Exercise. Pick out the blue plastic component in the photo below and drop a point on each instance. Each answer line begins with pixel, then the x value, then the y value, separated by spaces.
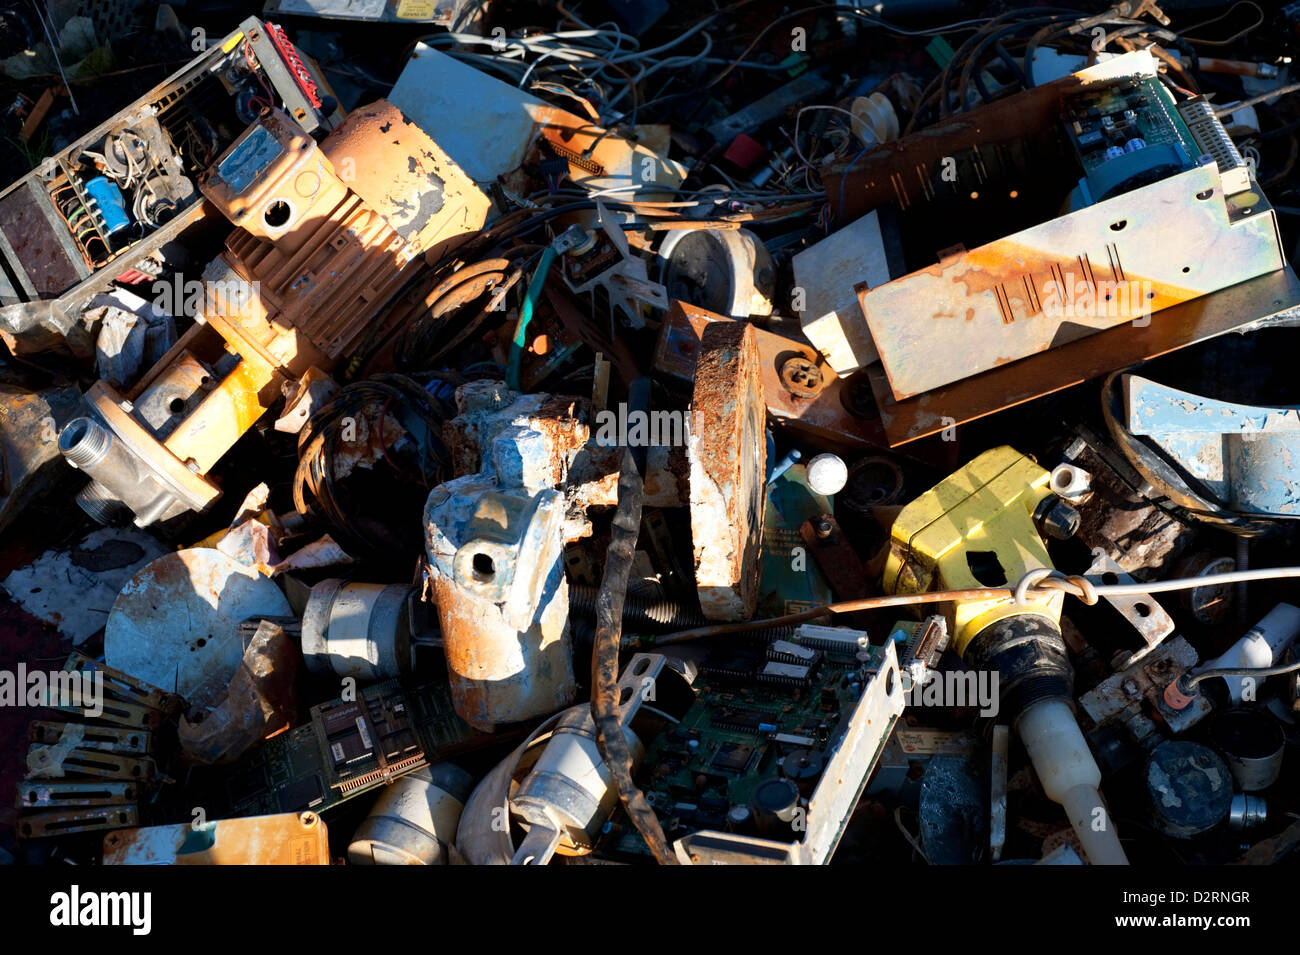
pixel 108 198
pixel 1134 144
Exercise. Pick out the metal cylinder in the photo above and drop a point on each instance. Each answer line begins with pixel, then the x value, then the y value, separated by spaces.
pixel 570 787
pixel 413 820
pixel 1247 811
pixel 357 630
pixel 1189 788
pixel 84 442
pixel 1252 743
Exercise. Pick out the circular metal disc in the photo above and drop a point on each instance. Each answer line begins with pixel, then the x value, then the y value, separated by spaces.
pixel 176 622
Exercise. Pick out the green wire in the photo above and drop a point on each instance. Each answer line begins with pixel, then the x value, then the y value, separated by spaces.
pixel 526 315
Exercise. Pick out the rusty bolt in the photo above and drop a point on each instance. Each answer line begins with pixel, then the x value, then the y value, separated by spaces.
pixel 801 377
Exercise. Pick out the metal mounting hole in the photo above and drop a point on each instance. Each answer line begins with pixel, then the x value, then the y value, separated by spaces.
pixel 1118 226
pixel 484 568
pixel 277 214
pixel 1205 195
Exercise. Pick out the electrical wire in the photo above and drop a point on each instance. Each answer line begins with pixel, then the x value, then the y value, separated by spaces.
pixel 1190 681
pixel 535 286
pixel 1037 583
pixel 1236 36
pixel 1261 98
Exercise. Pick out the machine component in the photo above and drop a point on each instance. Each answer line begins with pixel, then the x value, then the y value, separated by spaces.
pixel 725 271
pixel 128 701
pixel 602 259
pixel 260 701
pixel 923 644
pixel 119 193
pixel 802 393
pixel 1070 482
pixel 1134 697
pixel 1118 515
pixel 269 314
pixel 1142 611
pixel 46 793
pixel 348 748
pixel 1235 455
pixel 357 630
pixel 413 822
pixel 67 822
pixel 1189 789
pixel 1252 743
pixel 125 741
pixel 568 795
pixel 1214 141
pixel 283 839
pixel 176 622
pixel 497 554
pixel 977 529
pixel 1131 247
pixel 108 203
pixel 569 800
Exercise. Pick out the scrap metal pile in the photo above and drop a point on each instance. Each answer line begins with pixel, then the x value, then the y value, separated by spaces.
pixel 601 432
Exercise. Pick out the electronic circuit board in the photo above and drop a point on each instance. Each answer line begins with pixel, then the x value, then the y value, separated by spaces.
pixel 1109 116
pixel 347 748
pixel 778 712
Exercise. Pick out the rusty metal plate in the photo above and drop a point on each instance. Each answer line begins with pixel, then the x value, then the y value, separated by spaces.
pixel 1117 261
pixel 128 742
pixel 728 458
pixel 55 762
pixel 176 622
pixel 44 794
pixel 64 823
pixel 283 839
pixel 1084 359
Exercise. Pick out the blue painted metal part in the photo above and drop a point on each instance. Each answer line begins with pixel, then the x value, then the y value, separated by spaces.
pixel 108 198
pixel 1247 456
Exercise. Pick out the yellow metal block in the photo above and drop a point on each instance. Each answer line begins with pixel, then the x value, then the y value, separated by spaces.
pixel 981 516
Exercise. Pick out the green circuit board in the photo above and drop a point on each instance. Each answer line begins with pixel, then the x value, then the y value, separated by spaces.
pixel 1113 113
pixel 756 717
pixel 348 748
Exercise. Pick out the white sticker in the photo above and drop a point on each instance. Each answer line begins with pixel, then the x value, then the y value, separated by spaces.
pixel 365 735
pixel 337 750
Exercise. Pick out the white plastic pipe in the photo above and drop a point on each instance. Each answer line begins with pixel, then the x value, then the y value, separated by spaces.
pixel 1260 647
pixel 1070 776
